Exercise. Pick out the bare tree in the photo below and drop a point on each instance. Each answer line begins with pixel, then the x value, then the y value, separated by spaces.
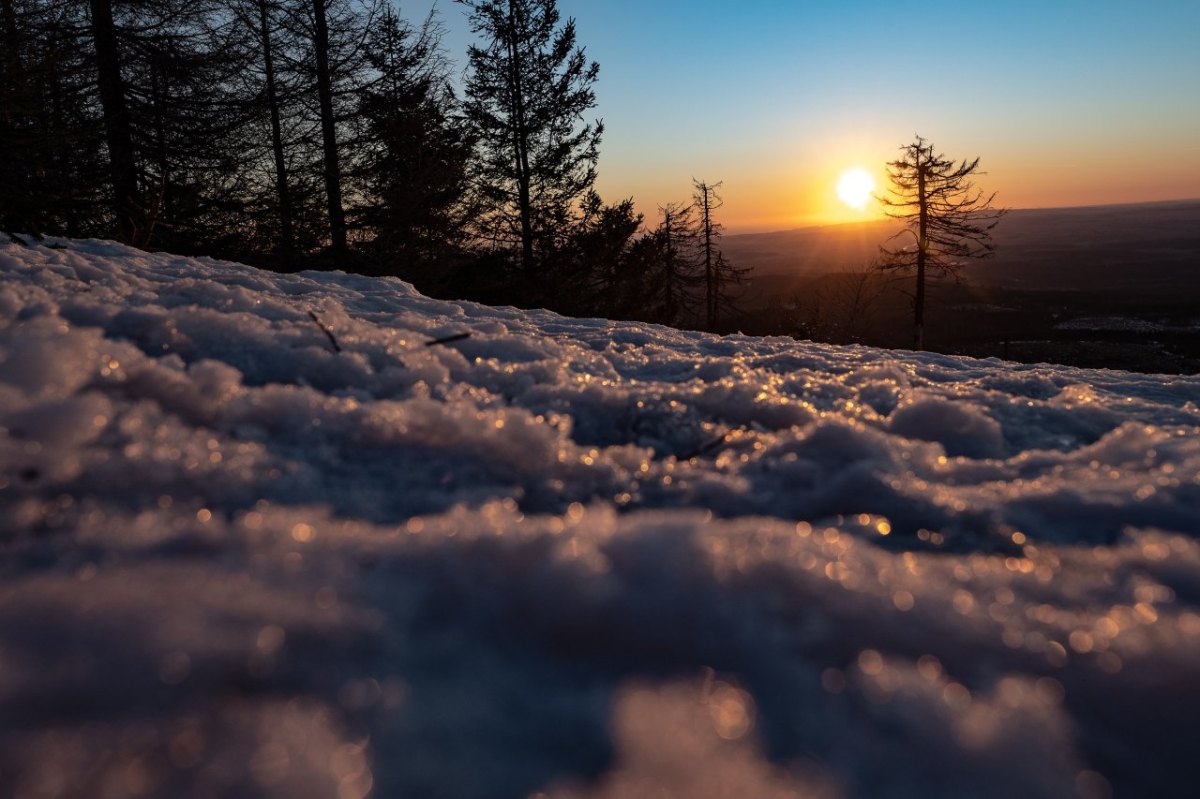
pixel 720 276
pixel 949 219
pixel 677 236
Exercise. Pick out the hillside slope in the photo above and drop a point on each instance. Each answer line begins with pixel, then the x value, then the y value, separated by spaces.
pixel 260 539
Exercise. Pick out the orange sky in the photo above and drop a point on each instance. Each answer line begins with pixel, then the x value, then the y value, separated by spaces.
pixel 1070 102
pixel 775 186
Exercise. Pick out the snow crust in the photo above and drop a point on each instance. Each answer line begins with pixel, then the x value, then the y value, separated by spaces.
pixel 568 557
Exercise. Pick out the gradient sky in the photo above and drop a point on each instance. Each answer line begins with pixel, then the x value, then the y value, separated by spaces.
pixel 1066 102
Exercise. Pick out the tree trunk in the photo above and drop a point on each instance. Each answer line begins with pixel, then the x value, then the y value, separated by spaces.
pixel 333 175
pixel 58 144
pixel 922 246
pixel 520 141
pixel 710 283
pixel 12 60
pixel 526 210
pixel 118 134
pixel 669 303
pixel 15 172
pixel 286 235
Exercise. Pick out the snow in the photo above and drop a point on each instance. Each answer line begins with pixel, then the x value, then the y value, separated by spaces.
pixel 568 557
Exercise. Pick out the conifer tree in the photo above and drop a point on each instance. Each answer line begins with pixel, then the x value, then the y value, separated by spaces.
pixel 721 278
pixel 677 274
pixel 167 74
pixel 528 87
pixel 261 20
pixel 52 170
pixel 330 156
pixel 412 150
pixel 593 274
pixel 128 206
pixel 949 219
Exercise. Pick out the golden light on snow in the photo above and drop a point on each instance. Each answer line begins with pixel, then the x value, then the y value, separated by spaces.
pixel 855 187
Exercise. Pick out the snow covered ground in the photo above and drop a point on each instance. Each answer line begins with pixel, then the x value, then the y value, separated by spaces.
pixel 568 558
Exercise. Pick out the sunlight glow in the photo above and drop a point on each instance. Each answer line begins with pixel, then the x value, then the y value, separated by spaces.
pixel 855 188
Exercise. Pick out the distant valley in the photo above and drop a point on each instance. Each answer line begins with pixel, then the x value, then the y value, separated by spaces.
pixel 1150 247
pixel 1105 286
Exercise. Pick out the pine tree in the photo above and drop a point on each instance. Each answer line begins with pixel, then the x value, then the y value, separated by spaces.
pixel 527 90
pixel 949 219
pixel 284 208
pixel 412 151
pixel 52 170
pixel 721 278
pixel 676 274
pixel 15 168
pixel 591 275
pixel 167 75
pixel 128 206
pixel 189 115
pixel 330 156
pixel 262 23
pixel 328 56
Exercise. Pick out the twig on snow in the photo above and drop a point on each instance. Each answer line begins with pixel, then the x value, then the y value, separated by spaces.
pixel 327 331
pixel 448 339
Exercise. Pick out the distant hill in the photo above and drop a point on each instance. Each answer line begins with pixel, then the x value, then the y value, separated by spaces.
pixel 1150 247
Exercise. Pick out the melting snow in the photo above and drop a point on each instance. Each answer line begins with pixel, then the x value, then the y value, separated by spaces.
pixel 568 557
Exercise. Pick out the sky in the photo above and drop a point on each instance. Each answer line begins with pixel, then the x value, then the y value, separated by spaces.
pixel 1065 102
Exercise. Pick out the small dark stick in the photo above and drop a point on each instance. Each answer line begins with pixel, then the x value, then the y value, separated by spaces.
pixel 715 443
pixel 448 339
pixel 707 448
pixel 327 331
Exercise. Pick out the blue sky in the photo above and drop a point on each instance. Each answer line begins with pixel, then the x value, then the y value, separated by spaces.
pixel 1067 103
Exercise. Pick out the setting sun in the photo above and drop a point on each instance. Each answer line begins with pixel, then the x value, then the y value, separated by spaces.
pixel 855 187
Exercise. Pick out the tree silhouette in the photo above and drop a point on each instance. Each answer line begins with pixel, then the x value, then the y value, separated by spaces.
pixel 53 173
pixel 720 276
pixel 266 40
pixel 950 220
pixel 118 130
pixel 412 151
pixel 675 274
pixel 527 89
pixel 593 274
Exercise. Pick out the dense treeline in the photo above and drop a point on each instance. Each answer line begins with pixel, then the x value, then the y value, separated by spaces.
pixel 297 134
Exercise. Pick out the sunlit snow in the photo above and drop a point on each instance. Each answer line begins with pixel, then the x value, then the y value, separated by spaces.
pixel 575 558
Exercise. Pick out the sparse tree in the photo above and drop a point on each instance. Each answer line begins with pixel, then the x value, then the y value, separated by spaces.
pixel 528 87
pixel 675 273
pixel 949 219
pixel 720 276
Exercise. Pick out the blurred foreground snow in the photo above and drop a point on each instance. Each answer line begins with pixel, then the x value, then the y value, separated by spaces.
pixel 568 558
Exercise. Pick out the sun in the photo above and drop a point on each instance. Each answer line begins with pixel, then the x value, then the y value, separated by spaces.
pixel 855 188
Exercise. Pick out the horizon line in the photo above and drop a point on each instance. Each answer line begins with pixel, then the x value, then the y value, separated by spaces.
pixel 816 225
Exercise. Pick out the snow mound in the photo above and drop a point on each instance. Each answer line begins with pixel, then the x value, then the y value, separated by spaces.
pixel 260 538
